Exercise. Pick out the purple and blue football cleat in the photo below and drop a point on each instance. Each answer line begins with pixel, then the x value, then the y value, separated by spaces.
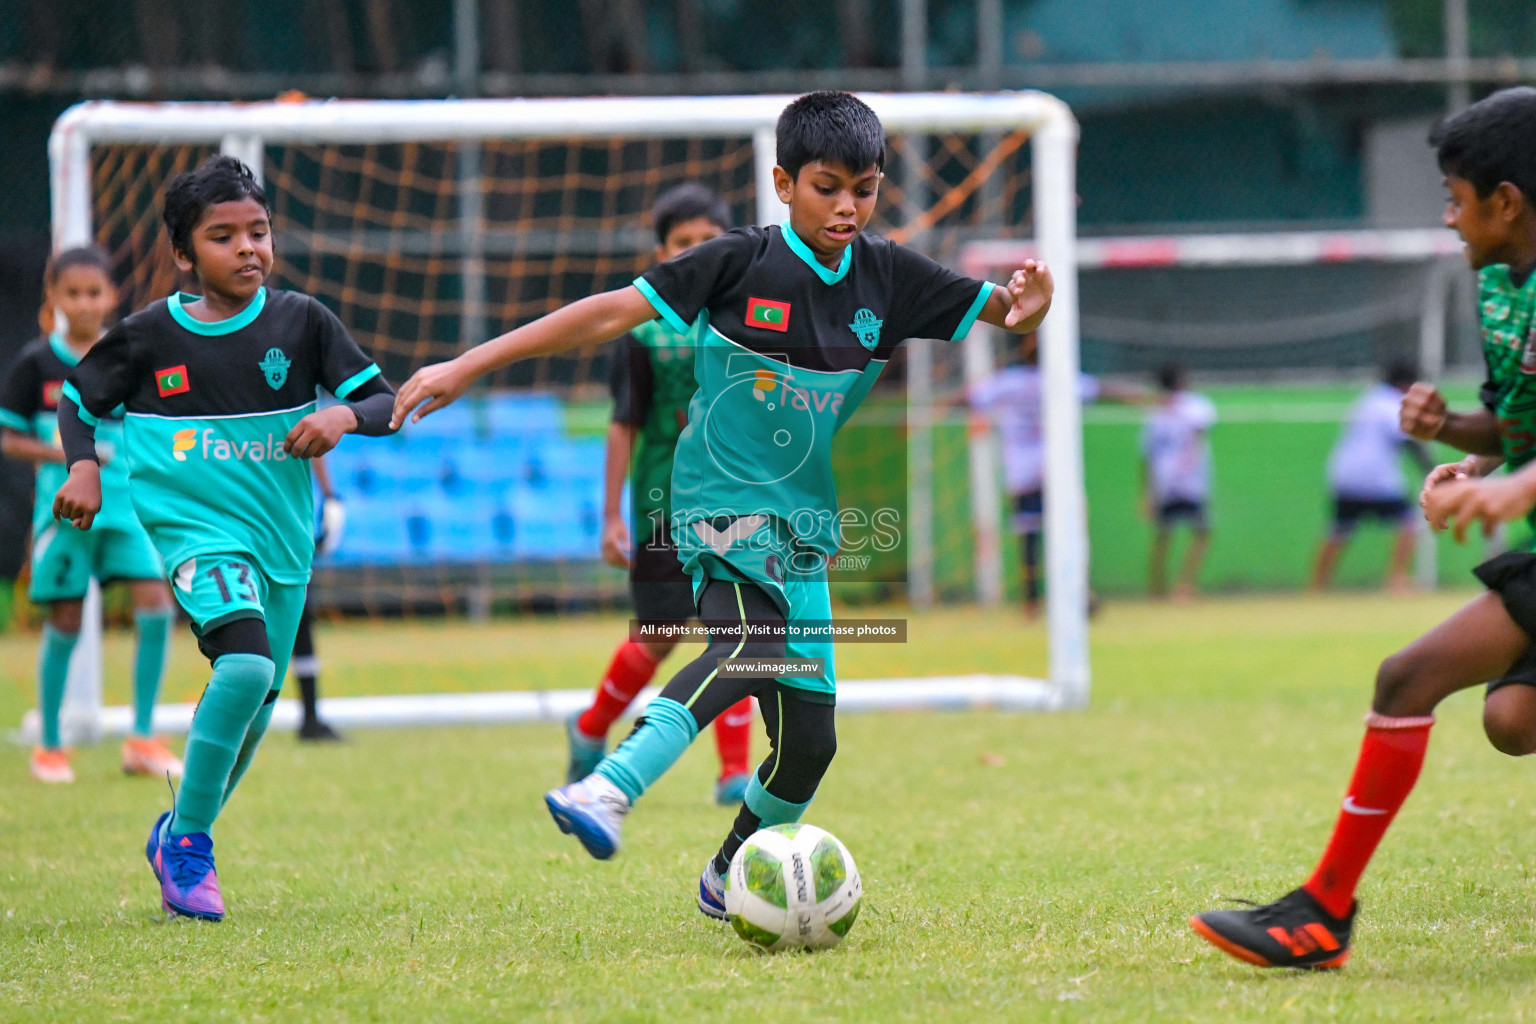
pixel 593 811
pixel 183 865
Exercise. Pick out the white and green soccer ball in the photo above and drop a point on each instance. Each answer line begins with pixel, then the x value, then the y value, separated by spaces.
pixel 792 887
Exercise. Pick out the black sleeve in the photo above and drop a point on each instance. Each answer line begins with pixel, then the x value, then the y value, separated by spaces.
pixel 1488 394
pixel 932 301
pixel 630 381
pixel 680 288
pixel 344 366
pixel 76 435
pixel 372 402
pixel 105 378
pixel 20 393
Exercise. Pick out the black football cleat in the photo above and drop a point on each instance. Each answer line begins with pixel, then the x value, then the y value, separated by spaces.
pixel 315 731
pixel 1293 931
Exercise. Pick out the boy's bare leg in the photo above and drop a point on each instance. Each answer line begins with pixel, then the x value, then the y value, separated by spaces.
pixel 1194 556
pixel 1157 569
pixel 1399 574
pixel 1327 558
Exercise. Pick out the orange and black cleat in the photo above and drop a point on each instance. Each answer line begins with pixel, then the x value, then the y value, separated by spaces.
pixel 1293 931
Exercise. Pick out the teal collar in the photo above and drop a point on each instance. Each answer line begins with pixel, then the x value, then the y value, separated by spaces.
pixel 62 350
pixel 804 252
pixel 214 328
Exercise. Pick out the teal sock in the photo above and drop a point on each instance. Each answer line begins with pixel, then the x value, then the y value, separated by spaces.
pixel 52 673
pixel 769 808
pixel 230 704
pixel 154 630
pixel 248 747
pixel 653 748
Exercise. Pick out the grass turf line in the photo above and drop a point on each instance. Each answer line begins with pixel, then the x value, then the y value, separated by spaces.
pixel 413 875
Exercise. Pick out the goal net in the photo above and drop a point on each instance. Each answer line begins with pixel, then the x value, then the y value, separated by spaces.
pixel 430 226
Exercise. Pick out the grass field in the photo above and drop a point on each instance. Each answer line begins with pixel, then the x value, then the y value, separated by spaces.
pixel 1016 867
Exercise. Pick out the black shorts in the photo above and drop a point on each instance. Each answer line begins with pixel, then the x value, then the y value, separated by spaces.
pixel 1182 510
pixel 1347 512
pixel 1028 512
pixel 1512 576
pixel 660 589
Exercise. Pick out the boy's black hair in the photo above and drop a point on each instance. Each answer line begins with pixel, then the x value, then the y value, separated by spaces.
pixel 1400 373
pixel 686 202
pixel 79 256
pixel 835 127
pixel 1490 142
pixel 1170 377
pixel 221 179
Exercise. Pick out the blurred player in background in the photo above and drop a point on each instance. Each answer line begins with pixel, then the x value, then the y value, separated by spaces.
pixel 1365 474
pixel 651 379
pixel 1176 478
pixel 79 285
pixel 1010 401
pixel 305 662
pixel 1489 164
pixel 220 421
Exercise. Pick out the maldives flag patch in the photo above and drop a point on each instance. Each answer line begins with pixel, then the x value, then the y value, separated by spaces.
pixel 768 314
pixel 172 380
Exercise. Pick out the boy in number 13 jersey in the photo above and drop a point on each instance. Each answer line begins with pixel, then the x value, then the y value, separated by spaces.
pixel 219 397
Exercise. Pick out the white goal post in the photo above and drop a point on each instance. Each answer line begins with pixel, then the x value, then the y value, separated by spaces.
pixel 245 129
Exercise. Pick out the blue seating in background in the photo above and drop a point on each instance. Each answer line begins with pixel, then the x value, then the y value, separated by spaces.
pixel 490 478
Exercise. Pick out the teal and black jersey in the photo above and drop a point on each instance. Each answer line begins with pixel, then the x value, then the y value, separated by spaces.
pixel 787 349
pixel 206 408
pixel 29 404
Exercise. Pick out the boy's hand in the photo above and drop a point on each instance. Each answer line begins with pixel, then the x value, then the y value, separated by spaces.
pixel 1422 414
pixel 319 432
pixel 443 383
pixel 80 498
pixel 1468 468
pixel 616 543
pixel 1030 289
pixel 1488 501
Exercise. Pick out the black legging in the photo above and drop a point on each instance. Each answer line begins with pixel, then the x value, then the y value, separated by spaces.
pixel 802 734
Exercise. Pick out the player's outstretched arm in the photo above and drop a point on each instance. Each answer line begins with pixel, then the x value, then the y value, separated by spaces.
pixel 1423 416
pixel 1021 305
pixel 16 445
pixel 621 442
pixel 588 321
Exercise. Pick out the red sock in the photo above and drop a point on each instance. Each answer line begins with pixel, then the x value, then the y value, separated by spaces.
pixel 631 668
pixel 1390 758
pixel 733 738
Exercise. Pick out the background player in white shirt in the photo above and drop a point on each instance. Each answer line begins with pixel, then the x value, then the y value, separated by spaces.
pixel 1010 401
pixel 1176 478
pixel 1365 475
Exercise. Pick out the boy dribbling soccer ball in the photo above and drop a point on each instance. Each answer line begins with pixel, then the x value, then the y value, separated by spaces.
pixel 218 392
pixel 798 321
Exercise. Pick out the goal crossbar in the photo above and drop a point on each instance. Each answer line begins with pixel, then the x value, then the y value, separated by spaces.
pixel 244 129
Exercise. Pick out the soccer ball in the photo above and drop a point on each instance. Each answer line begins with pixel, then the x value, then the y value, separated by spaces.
pixel 792 887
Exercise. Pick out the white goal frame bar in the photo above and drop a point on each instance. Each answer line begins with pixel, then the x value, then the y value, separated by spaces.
pixel 244 129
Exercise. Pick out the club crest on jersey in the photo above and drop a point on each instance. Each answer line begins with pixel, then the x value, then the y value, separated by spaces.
pixel 275 368
pixel 53 390
pixel 866 327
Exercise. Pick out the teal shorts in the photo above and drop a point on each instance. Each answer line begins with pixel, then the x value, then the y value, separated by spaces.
pixel 65 559
pixel 765 553
pixel 215 590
